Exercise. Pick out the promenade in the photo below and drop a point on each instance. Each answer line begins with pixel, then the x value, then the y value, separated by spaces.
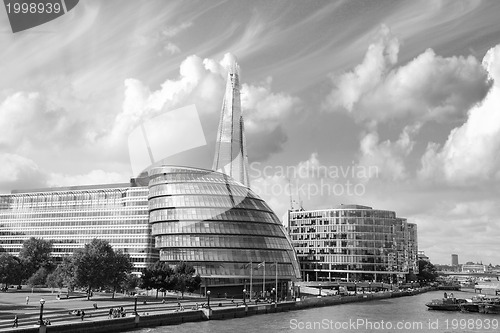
pixel 151 311
pixel 57 310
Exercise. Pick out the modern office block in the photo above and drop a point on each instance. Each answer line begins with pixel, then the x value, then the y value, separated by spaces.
pixel 70 217
pixel 352 242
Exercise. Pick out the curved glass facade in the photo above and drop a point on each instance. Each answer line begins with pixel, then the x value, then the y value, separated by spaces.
pixel 353 242
pixel 219 225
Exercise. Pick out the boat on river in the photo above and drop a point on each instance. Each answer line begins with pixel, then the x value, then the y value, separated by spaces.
pixel 446 304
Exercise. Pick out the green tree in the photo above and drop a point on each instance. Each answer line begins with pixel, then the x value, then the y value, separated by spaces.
pixel 131 282
pixel 426 271
pixel 94 264
pixel 36 253
pixel 121 267
pixel 56 278
pixel 186 279
pixel 157 276
pixel 38 278
pixel 10 269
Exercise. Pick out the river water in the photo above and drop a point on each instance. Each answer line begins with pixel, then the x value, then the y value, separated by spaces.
pixel 403 314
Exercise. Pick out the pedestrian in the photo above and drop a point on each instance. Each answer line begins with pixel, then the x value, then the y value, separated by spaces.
pixel 16 321
pixel 82 314
pixel 27 300
pixel 110 315
pixel 58 297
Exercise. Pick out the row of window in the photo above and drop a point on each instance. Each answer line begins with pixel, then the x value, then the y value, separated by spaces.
pixel 349 234
pixel 216 227
pixel 210 177
pixel 342 213
pixel 112 239
pixel 82 231
pixel 13 225
pixel 221 241
pixel 243 269
pixel 202 214
pixel 238 255
pixel 207 201
pixel 185 188
pixel 43 214
pixel 317 224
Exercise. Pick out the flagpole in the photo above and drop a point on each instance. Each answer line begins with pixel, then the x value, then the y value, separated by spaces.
pixel 251 269
pixel 264 282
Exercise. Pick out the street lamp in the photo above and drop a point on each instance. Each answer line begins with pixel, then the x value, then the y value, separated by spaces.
pixel 244 297
pixel 208 299
pixel 319 290
pixel 42 302
pixel 135 304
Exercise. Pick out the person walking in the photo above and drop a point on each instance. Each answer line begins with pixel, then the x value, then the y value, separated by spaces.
pixel 16 322
pixel 27 300
pixel 82 314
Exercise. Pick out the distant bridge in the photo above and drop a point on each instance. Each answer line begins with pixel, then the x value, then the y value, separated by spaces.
pixel 496 276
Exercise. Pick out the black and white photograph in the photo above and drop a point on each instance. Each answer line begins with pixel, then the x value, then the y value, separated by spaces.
pixel 249 165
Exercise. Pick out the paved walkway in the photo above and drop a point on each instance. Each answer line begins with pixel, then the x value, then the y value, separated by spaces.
pixel 57 311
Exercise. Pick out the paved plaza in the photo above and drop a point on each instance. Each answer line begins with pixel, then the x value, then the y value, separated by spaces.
pixel 13 302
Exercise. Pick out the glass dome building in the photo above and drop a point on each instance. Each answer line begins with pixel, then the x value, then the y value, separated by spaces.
pixel 220 226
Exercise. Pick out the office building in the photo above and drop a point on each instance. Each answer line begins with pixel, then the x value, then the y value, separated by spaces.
pixel 353 243
pixel 454 260
pixel 71 217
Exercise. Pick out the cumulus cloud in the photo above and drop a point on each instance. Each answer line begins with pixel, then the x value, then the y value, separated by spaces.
pixel 28 118
pixel 17 172
pixel 470 153
pixel 263 109
pixel 429 87
pixel 202 82
pixel 388 157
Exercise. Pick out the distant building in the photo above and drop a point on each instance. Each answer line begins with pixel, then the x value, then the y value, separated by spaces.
pixel 353 242
pixel 422 256
pixel 473 268
pixel 454 260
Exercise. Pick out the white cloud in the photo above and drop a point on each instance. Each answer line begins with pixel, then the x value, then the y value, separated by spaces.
pixel 171 31
pixel 470 153
pixel 19 172
pixel 429 87
pixel 388 157
pixel 263 109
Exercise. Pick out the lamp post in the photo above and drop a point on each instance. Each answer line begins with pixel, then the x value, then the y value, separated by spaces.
pixel 319 290
pixel 135 304
pixel 244 297
pixel 42 302
pixel 208 299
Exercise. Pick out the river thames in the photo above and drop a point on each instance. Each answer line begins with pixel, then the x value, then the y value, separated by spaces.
pixel 403 314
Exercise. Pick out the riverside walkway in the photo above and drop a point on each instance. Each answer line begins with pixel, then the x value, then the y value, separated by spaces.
pixel 56 310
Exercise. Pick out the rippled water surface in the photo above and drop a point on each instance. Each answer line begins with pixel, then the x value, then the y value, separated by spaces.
pixel 404 314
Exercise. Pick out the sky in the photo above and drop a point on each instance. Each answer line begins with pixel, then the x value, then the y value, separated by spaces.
pixel 389 104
